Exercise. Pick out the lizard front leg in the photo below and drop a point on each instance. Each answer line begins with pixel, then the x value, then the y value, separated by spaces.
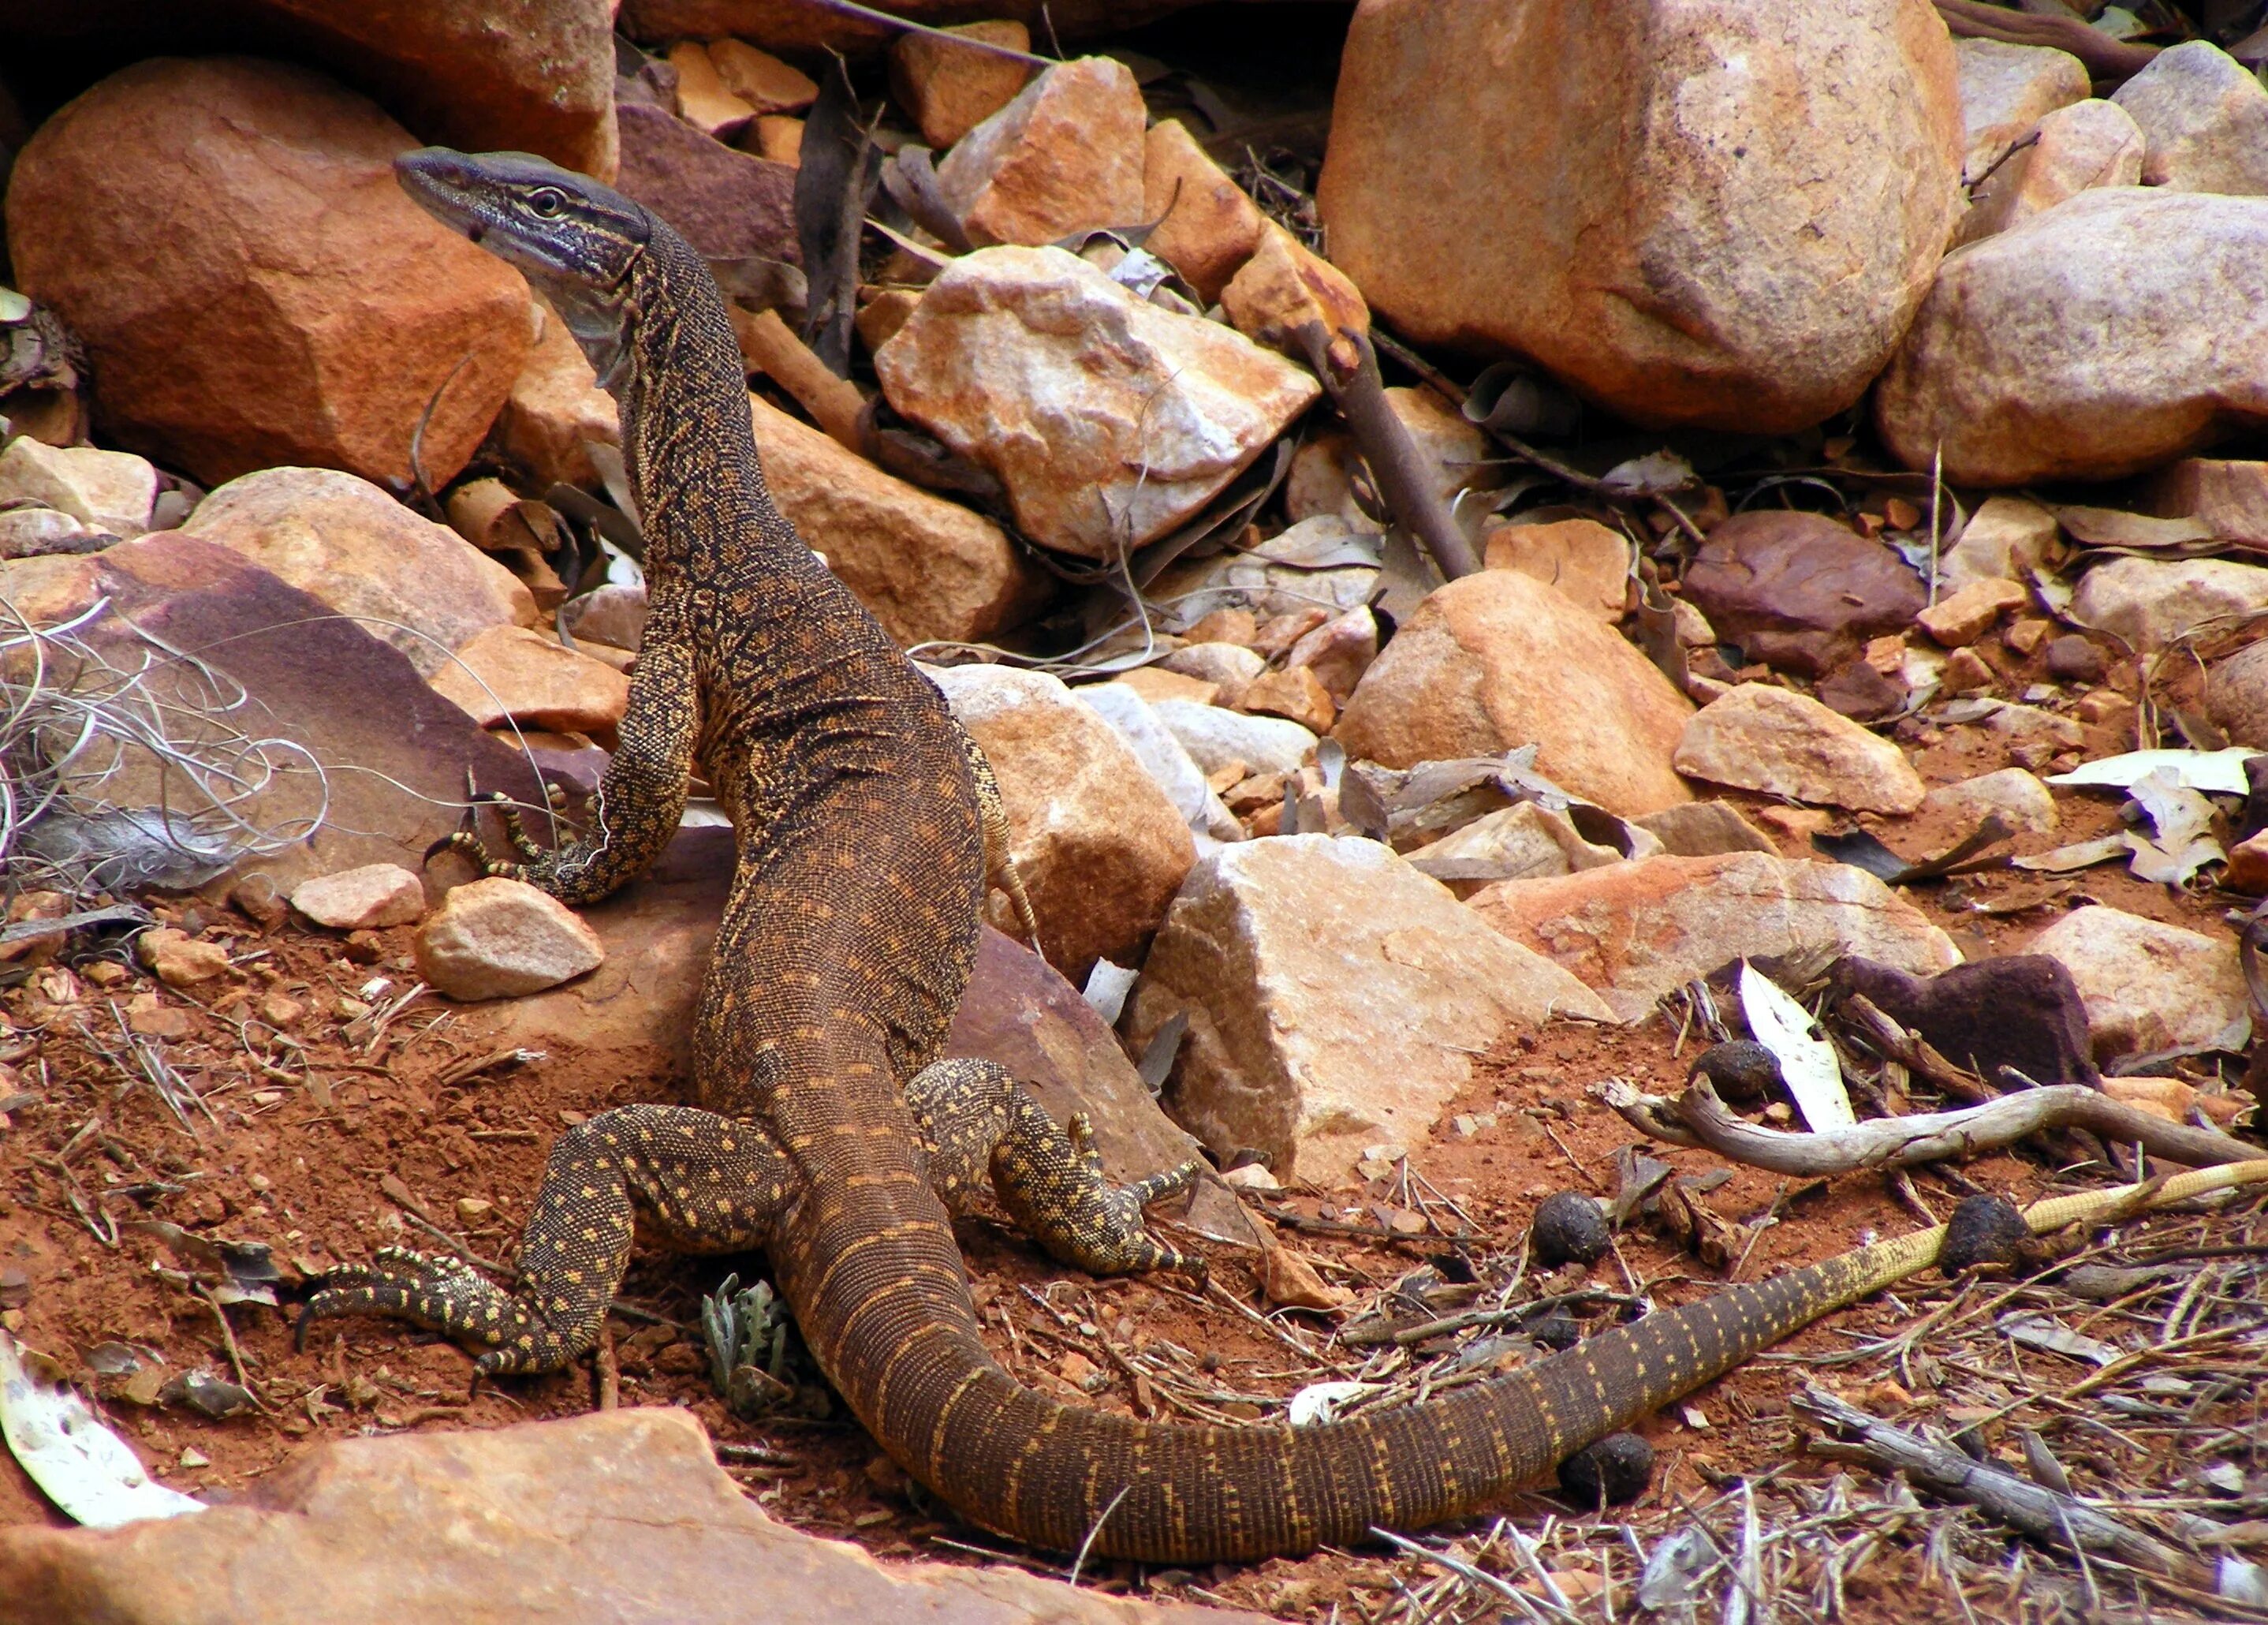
pixel 639 801
pixel 977 1123
pixel 707 1184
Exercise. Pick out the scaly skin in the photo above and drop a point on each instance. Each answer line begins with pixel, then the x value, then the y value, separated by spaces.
pixel 827 1130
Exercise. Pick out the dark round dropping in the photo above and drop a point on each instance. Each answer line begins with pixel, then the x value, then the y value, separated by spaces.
pixel 1984 1230
pixel 1558 1329
pixel 1568 1228
pixel 1613 1471
pixel 1743 1071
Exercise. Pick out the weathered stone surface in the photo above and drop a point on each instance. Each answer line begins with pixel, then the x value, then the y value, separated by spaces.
pixel 1207 227
pixel 110 490
pixel 418 585
pixel 2006 91
pixel 2087 145
pixel 761 79
pixel 1293 693
pixel 1338 652
pixel 614 615
pixel 35 533
pixel 1497 659
pixel 253 287
pixel 1585 561
pixel 520 76
pixel 1101 847
pixel 47 591
pixel 1165 758
pixel 1215 736
pixel 1704 829
pixel 950 89
pixel 621 1516
pixel 2236 696
pixel 1636 931
pixel 728 204
pixel 1798 591
pixel 2096 340
pixel 2015 797
pixel 2151 603
pixel 703 98
pixel 1962 616
pixel 1335 997
pixel 498 938
pixel 1155 682
pixel 1229 668
pixel 2204 119
pixel 1109 419
pixel 1319 563
pixel 2005 539
pixel 1699 214
pixel 1759 738
pixel 178 959
pixel 366 899
pixel 2149 986
pixel 512 674
pixel 1064 156
pixel 2230 497
pixel 1520 842
pixel 1284 287
pixel 928 568
pixel 556 405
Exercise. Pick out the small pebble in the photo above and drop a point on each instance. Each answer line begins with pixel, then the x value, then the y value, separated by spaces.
pixel 1568 1228
pixel 1984 1230
pixel 1614 1471
pixel 2073 659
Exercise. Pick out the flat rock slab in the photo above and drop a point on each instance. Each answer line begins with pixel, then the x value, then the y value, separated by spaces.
pixel 621 1517
pixel 1018 1011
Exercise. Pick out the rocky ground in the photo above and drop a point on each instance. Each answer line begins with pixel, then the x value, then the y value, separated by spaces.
pixel 1458 526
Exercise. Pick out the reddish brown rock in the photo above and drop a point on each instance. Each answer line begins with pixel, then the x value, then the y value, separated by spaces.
pixel 1207 227
pixel 520 76
pixel 510 674
pixel 1064 156
pixel 950 89
pixel 799 26
pixel 252 285
pixel 1583 558
pixel 1692 213
pixel 556 407
pixel 1800 591
pixel 728 204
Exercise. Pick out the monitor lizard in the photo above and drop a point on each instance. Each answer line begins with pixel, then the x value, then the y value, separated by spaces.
pixel 828 1131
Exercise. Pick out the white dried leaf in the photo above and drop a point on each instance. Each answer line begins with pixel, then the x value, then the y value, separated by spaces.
pixel 2216 772
pixel 1318 1402
pixel 87 1469
pixel 1806 1059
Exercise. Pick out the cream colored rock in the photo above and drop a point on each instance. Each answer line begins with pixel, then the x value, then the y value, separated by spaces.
pixel 499 939
pixel 1101 847
pixel 1216 736
pixel 510 673
pixel 2005 539
pixel 1229 667
pixel 1708 213
pixel 1207 227
pixel 554 407
pixel 1758 738
pixel 2099 339
pixel 1703 829
pixel 49 590
pixel 1637 931
pixel 1520 842
pixel 2149 986
pixel 1336 999
pixel 950 89
pixel 1064 156
pixel 2204 119
pixel 1961 617
pixel 1108 420
pixel 2006 91
pixel 2230 497
pixel 1497 659
pixel 107 490
pixel 928 568
pixel 253 286
pixel 2151 603
pixel 413 584
pixel 2087 145
pixel 1165 758
pixel 1585 561
pixel 367 898
pixel 2015 797
pixel 178 959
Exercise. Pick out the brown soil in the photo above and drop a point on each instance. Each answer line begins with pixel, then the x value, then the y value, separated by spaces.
pixel 325 1174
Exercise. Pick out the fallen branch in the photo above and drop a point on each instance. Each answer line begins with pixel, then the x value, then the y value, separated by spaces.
pixel 2106 58
pixel 770 345
pixel 1698 1118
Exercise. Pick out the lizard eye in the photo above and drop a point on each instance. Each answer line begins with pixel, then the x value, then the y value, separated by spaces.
pixel 548 202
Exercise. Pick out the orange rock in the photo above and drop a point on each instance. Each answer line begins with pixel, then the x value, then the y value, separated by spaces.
pixel 1064 156
pixel 510 674
pixel 950 89
pixel 1285 285
pixel 1157 683
pixel 1295 694
pixel 703 99
pixel 1583 558
pixel 1207 227
pixel 759 78
pixel 779 138
pixel 253 287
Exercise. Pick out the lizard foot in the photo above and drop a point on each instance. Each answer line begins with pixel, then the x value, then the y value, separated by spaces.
pixel 468 843
pixel 1052 1182
pixel 446 1296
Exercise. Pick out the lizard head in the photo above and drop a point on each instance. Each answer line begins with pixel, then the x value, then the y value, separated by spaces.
pixel 579 243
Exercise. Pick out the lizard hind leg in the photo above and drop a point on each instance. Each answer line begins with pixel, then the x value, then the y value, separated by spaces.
pixel 979 1125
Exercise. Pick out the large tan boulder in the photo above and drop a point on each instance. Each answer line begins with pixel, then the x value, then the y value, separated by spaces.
pixel 2123 327
pixel 1702 213
pixel 1636 931
pixel 253 286
pixel 1336 999
pixel 1101 847
pixel 928 568
pixel 2204 119
pixel 412 583
pixel 520 76
pixel 1109 419
pixel 1498 659
pixel 2087 145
